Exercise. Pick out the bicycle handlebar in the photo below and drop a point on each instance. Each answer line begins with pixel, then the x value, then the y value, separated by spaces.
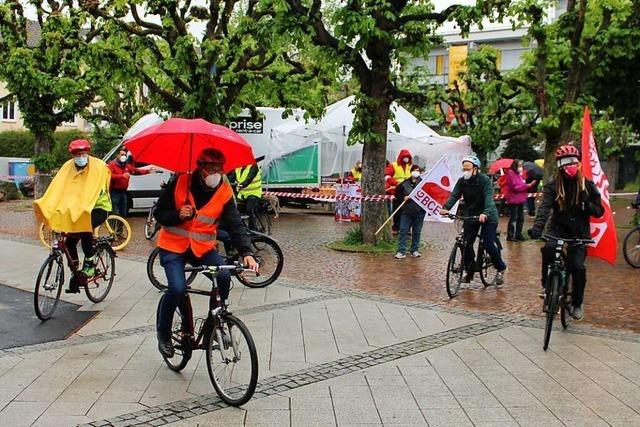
pixel 463 218
pixel 215 269
pixel 562 240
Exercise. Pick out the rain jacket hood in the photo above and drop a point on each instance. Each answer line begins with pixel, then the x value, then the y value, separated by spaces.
pixel 404 153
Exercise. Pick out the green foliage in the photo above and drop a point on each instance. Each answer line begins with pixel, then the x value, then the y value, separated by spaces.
pixel 242 59
pixel 50 70
pixel 20 144
pixel 521 147
pixel 16 144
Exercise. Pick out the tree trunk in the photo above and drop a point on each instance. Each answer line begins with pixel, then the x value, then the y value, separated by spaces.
pixel 42 145
pixel 374 155
pixel 611 169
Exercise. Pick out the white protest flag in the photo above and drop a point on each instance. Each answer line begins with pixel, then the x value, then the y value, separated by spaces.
pixel 434 191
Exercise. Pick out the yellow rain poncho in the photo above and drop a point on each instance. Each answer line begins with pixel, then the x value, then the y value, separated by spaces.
pixel 67 203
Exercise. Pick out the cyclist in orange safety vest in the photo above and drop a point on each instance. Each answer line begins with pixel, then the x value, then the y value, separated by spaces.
pixel 190 209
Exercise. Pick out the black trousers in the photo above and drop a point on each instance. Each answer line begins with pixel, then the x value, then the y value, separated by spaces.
pixel 516 221
pixel 98 216
pixel 531 205
pixel 575 266
pixel 250 206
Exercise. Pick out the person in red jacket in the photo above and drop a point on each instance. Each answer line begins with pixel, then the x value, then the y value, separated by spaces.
pixel 121 170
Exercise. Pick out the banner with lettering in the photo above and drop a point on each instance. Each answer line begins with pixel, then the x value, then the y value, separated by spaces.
pixel 434 190
pixel 603 230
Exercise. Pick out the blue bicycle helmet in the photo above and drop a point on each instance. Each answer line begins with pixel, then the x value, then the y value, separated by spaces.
pixel 473 159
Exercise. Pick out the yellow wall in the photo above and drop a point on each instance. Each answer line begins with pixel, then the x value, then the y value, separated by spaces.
pixel 457 54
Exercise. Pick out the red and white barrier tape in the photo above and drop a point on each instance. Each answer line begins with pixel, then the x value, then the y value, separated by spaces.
pixel 377 197
pixel 330 197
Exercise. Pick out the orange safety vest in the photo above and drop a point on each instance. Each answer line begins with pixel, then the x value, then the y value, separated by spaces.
pixel 199 233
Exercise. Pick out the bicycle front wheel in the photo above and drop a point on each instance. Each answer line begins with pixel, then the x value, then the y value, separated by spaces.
pixel 271 260
pixel 455 269
pixel 631 248
pixel 99 285
pixel 232 361
pixel 49 286
pixel 46 235
pixel 150 225
pixel 117 227
pixel 155 272
pixel 553 300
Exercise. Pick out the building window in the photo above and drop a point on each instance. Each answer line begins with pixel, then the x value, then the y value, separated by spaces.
pixel 8 110
pixel 96 111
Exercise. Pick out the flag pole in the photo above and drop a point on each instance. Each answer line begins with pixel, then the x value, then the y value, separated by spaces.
pixel 390 217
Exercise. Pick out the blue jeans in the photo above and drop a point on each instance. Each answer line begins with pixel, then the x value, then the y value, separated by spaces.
pixel 489 231
pixel 119 202
pixel 174 264
pixel 410 222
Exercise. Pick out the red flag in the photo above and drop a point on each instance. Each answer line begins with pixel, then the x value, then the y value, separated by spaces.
pixel 603 230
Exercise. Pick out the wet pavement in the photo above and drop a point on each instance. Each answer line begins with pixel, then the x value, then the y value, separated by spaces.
pixel 612 298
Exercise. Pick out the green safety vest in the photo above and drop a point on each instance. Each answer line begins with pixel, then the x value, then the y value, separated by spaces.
pixel 254 188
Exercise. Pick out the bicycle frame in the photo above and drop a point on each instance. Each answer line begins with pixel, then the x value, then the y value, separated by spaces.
pixel 60 245
pixel 462 241
pixel 197 341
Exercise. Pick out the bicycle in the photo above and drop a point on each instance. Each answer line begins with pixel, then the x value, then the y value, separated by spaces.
pixel 118 229
pixel 262 216
pixel 482 263
pixel 151 225
pixel 557 295
pixel 219 332
pixel 631 245
pixel 50 279
pixel 266 252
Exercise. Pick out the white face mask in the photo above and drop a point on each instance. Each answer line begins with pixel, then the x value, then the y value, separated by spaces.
pixel 415 174
pixel 520 170
pixel 467 174
pixel 405 159
pixel 123 159
pixel 81 161
pixel 213 180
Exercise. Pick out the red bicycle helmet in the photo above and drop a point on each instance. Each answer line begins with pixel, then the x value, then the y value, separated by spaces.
pixel 79 145
pixel 567 151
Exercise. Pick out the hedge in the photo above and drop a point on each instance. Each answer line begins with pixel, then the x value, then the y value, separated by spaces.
pixel 20 144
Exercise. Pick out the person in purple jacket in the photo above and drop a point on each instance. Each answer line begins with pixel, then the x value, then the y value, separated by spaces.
pixel 516 198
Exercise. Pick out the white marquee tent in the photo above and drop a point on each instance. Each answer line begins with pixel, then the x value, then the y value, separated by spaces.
pixel 329 136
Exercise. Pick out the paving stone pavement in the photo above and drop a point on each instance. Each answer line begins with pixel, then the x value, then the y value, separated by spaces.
pixel 328 356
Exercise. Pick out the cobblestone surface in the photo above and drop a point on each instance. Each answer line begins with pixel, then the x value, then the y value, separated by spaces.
pixel 611 301
pixel 164 414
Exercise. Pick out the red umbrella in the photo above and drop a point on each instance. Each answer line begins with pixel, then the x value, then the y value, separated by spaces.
pixel 500 164
pixel 176 144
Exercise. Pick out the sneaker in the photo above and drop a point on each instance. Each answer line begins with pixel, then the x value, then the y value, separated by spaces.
pixel 416 254
pixel 500 278
pixel 400 255
pixel 467 278
pixel 578 312
pixel 88 267
pixel 165 346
